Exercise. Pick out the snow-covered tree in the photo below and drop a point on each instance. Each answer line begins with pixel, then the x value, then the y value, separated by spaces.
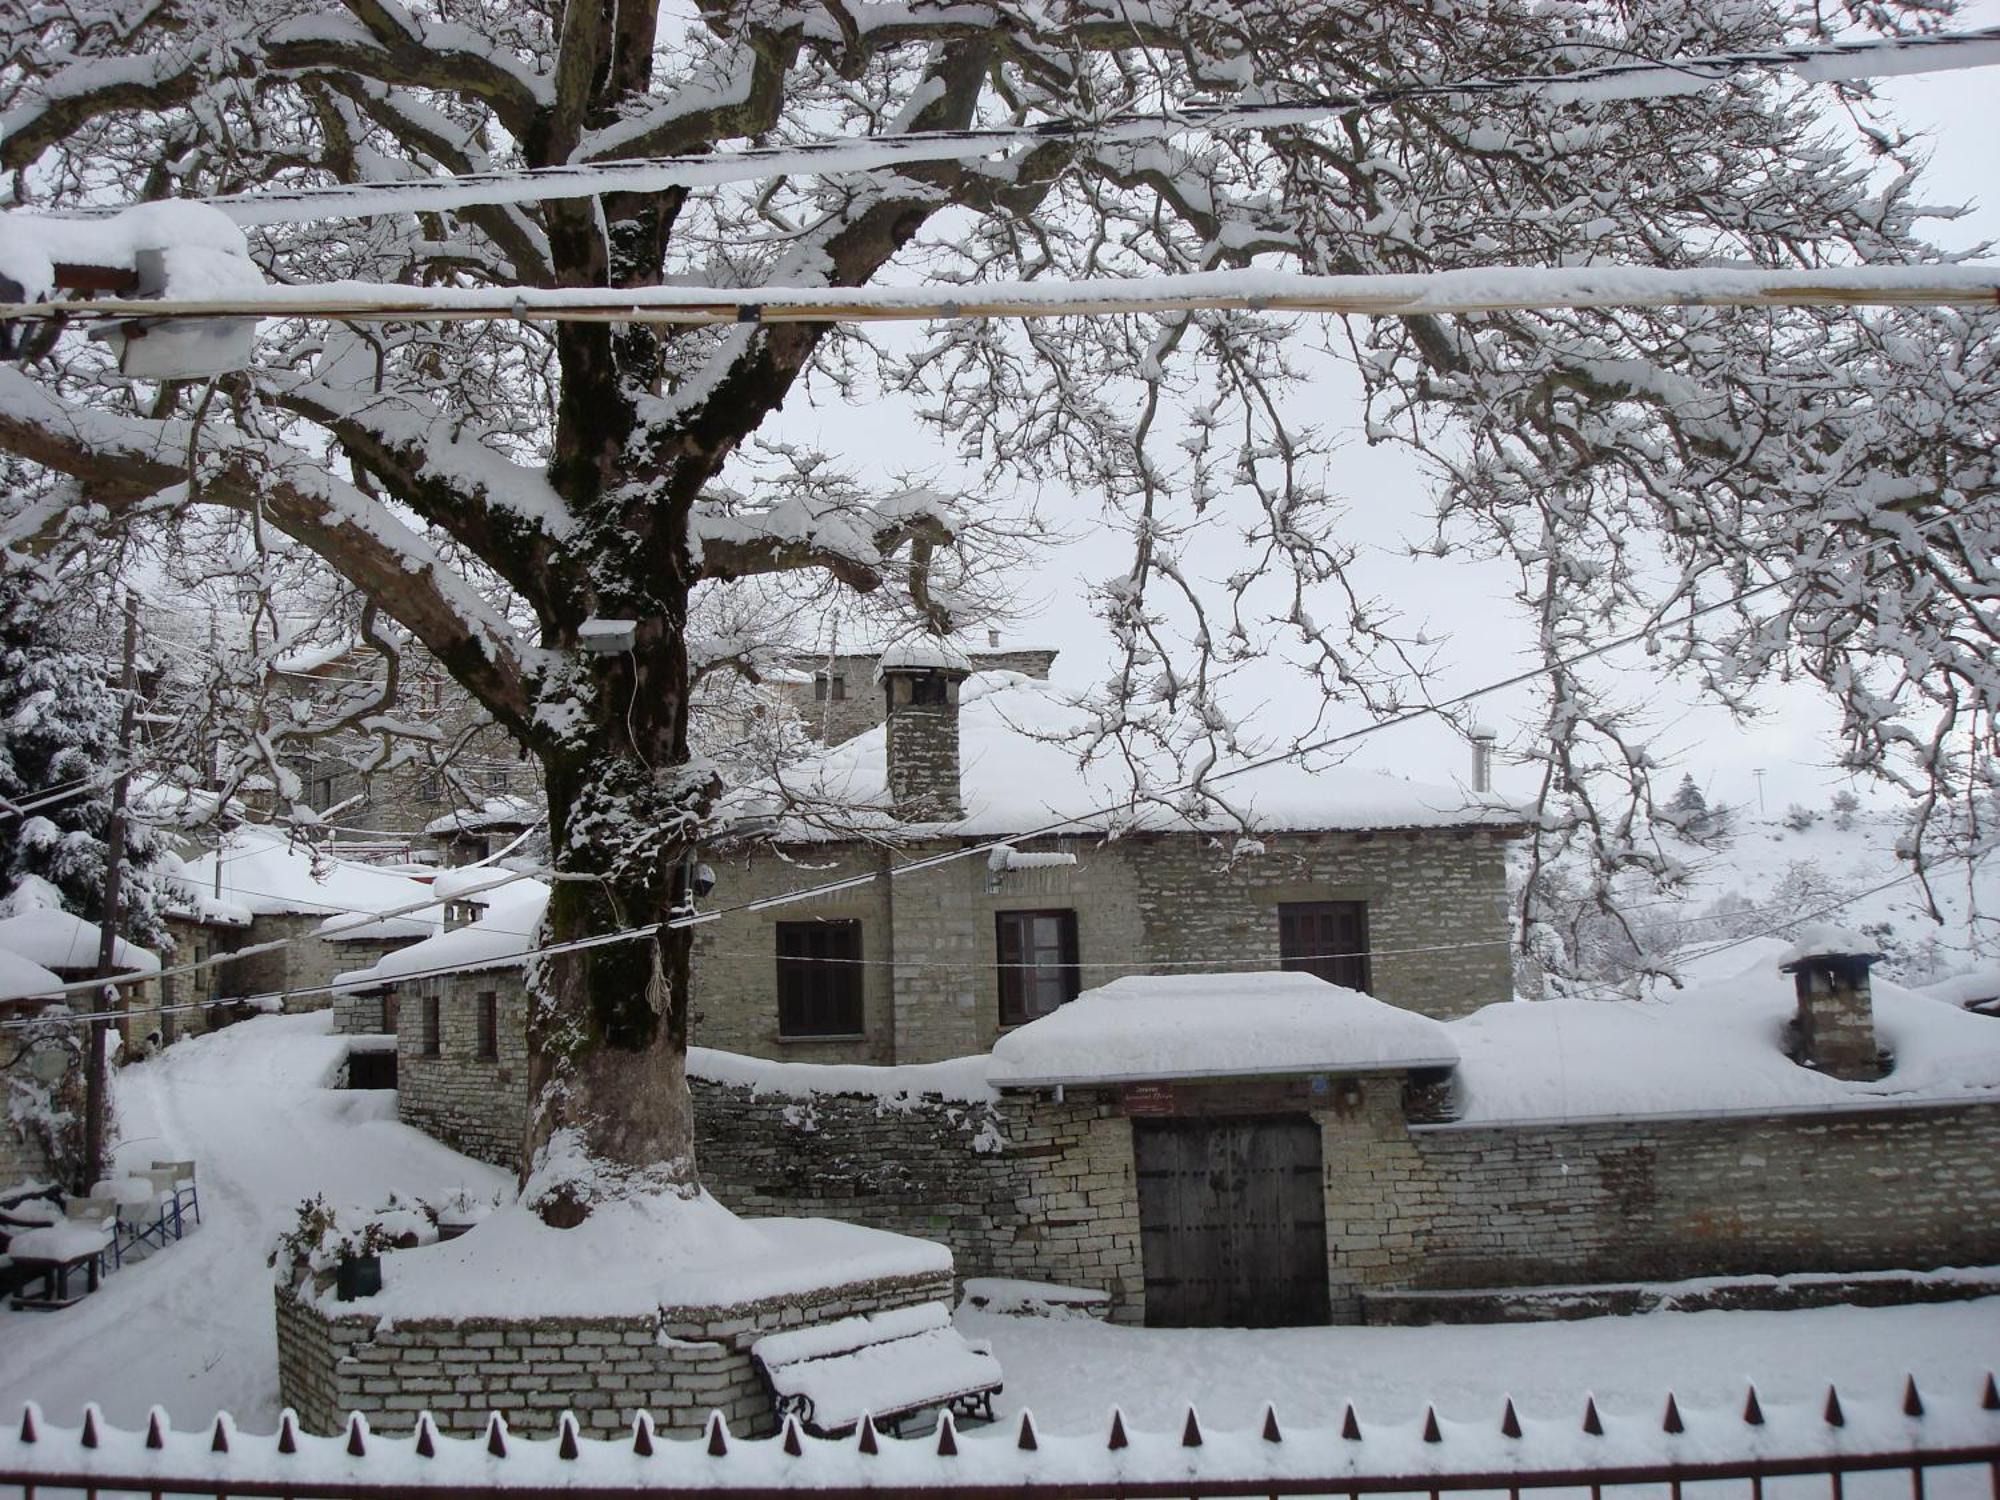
pixel 494 486
pixel 59 713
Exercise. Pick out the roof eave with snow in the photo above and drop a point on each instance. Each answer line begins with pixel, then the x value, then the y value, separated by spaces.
pixel 1291 1070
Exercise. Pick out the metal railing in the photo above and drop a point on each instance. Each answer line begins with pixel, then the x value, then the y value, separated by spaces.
pixel 1932 1447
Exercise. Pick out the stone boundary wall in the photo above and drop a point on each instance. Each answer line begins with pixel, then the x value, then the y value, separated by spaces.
pixel 1861 1190
pixel 679 1364
pixel 1031 1188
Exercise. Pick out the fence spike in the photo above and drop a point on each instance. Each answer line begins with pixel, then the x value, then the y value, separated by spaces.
pixel 718 1436
pixel 793 1446
pixel 1990 1400
pixel 1350 1425
pixel 219 1443
pixel 1432 1433
pixel 90 1426
pixel 642 1434
pixel 947 1435
pixel 288 1432
pixel 1510 1421
pixel 867 1443
pixel 1271 1433
pixel 156 1428
pixel 496 1435
pixel 1118 1438
pixel 566 1436
pixel 1753 1409
pixel 1673 1422
pixel 426 1436
pixel 28 1432
pixel 1191 1431
pixel 1913 1404
pixel 357 1435
pixel 1834 1416
pixel 1592 1423
pixel 1027 1437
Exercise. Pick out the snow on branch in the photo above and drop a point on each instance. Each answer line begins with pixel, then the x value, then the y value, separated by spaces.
pixel 698 121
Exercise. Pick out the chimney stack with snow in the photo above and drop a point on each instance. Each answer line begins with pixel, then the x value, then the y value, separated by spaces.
pixel 920 678
pixel 1482 758
pixel 1834 1030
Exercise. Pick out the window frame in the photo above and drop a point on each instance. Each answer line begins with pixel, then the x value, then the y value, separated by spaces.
pixel 1359 966
pixel 820 995
pixel 430 1039
pixel 1019 977
pixel 486 1032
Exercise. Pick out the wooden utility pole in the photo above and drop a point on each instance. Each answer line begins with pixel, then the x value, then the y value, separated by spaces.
pixel 109 997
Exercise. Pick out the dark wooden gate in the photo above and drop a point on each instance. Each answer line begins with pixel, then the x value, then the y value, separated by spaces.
pixel 1232 1219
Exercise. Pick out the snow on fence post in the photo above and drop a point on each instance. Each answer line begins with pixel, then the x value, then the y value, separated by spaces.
pixel 1891 1431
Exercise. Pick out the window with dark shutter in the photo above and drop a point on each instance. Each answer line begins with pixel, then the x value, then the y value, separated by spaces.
pixel 433 1026
pixel 819 978
pixel 1038 962
pixel 1327 938
pixel 489 1026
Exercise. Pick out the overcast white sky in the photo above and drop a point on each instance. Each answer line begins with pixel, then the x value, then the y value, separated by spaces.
pixel 1385 492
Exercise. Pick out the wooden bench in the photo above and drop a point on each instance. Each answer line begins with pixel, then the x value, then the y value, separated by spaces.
pixel 887 1365
pixel 79 1242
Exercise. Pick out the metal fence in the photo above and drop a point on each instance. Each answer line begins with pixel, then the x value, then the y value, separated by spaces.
pixel 1927 1447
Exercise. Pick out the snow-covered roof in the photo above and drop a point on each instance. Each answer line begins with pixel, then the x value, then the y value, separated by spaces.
pixel 58 940
pixel 1016 775
pixel 264 873
pixel 474 883
pixel 494 812
pixel 499 940
pixel 1168 1026
pixel 1973 987
pixel 24 979
pixel 1717 1047
pixel 206 254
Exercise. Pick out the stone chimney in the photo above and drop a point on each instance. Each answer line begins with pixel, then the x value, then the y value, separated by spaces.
pixel 1834 1030
pixel 920 678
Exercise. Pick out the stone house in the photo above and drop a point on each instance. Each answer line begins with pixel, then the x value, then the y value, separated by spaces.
pixel 271 889
pixel 1369 881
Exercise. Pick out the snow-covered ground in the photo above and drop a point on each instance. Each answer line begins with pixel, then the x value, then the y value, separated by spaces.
pixel 190 1328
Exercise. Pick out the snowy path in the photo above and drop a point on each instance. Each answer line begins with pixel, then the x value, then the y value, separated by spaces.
pixel 191 1327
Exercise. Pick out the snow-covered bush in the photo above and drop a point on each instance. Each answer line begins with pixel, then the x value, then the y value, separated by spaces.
pixel 1799 818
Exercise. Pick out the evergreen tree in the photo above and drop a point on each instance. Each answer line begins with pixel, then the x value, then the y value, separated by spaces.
pixel 1688 806
pixel 59 712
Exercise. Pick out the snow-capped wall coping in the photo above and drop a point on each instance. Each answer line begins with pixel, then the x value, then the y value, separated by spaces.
pixel 494 812
pixel 1180 1026
pixel 483 884
pixel 922 652
pixel 24 979
pixel 1016 775
pixel 59 940
pixel 633 1257
pixel 958 1080
pixel 206 254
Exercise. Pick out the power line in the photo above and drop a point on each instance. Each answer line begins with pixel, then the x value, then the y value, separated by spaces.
pixel 1633 78
pixel 1475 289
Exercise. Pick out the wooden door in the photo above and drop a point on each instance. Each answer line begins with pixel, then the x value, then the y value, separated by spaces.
pixel 1232 1218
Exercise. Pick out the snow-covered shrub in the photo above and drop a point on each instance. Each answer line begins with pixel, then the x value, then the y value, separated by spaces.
pixel 1799 818
pixel 321 1237
pixel 49 1115
pixel 1845 806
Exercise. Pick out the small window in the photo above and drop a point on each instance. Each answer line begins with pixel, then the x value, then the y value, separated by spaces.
pixel 1326 938
pixel 489 1026
pixel 430 787
pixel 433 1026
pixel 819 978
pixel 392 1011
pixel 829 685
pixel 929 687
pixel 1038 963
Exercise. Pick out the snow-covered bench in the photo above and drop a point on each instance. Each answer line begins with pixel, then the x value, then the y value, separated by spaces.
pixel 886 1365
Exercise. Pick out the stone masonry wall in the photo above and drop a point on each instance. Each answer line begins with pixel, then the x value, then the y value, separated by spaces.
pixel 1861 1190
pixel 1440 1206
pixel 305 963
pixel 1436 912
pixel 678 1364
pixel 473 1104
pixel 1026 1188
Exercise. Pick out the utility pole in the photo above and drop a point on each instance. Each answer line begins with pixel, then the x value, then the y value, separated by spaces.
pixel 109 997
pixel 1759 774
